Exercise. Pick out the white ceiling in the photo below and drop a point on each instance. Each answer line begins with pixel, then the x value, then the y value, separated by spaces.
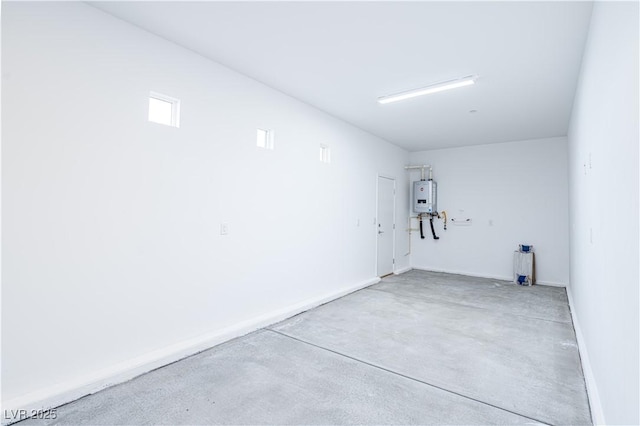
pixel 341 56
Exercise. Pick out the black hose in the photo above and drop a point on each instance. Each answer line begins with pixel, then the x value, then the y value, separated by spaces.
pixel 421 232
pixel 433 231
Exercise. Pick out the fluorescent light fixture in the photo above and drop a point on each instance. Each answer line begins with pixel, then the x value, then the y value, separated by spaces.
pixel 434 88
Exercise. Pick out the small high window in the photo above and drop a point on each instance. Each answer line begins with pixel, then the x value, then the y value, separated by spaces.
pixel 325 154
pixel 164 110
pixel 264 139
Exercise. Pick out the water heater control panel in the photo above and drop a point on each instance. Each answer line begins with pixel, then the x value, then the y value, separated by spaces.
pixel 425 196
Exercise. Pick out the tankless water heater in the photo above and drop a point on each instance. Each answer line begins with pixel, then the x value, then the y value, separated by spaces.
pixel 425 198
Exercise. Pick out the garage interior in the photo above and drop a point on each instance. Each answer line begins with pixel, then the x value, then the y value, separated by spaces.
pixel 320 213
pixel 418 348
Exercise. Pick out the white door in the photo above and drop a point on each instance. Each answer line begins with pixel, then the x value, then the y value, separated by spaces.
pixel 386 224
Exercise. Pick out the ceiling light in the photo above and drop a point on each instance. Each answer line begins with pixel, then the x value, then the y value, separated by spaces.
pixel 434 88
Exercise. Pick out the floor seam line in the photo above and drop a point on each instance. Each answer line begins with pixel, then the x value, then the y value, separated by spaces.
pixel 471 306
pixel 402 375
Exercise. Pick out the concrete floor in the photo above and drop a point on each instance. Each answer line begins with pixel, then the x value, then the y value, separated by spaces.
pixel 418 348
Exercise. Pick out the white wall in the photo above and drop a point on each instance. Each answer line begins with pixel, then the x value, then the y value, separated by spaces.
pixel 111 252
pixel 514 193
pixel 603 153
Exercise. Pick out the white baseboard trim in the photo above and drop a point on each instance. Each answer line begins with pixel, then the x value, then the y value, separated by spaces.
pixel 481 275
pixel 402 270
pixel 60 394
pixel 597 415
pixel 466 273
pixel 551 284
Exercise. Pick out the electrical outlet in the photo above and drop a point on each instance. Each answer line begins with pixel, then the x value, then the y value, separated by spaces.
pixel 224 229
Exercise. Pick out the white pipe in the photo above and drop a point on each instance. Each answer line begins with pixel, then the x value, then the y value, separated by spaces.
pixel 424 166
pixel 410 229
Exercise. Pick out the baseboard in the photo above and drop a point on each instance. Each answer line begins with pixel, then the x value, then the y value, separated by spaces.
pixel 57 395
pixel 597 415
pixel 551 284
pixel 402 270
pixel 481 275
pixel 466 273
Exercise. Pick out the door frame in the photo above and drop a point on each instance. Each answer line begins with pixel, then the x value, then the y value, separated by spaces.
pixel 375 228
